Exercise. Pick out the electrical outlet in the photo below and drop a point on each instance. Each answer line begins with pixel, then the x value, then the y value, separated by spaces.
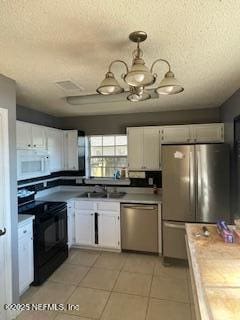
pixel 45 184
pixel 150 181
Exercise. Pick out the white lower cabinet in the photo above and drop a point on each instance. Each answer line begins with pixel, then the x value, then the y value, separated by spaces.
pixel 97 224
pixel 25 255
pixel 84 227
pixel 109 231
pixel 71 223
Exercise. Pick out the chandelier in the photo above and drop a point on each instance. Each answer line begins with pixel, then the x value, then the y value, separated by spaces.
pixel 139 76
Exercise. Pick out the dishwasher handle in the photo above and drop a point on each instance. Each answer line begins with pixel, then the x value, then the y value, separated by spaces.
pixel 139 207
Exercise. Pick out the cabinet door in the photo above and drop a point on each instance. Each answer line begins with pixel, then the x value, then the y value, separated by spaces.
pixel 176 134
pixel 38 137
pixel 71 150
pixel 71 223
pixel 55 148
pixel 151 148
pixel 25 256
pixel 24 135
pixel 84 227
pixel 135 148
pixel 109 230
pixel 204 133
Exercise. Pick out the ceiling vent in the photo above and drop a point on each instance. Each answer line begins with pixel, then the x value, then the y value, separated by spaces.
pixel 68 85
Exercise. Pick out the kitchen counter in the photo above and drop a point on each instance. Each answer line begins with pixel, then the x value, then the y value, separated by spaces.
pixel 128 198
pixel 215 267
pixel 60 196
pixel 24 218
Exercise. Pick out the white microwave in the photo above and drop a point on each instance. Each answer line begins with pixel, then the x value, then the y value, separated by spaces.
pixel 32 164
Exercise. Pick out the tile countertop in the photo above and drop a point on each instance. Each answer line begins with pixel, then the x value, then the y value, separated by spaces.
pixel 216 271
pixel 128 198
pixel 24 218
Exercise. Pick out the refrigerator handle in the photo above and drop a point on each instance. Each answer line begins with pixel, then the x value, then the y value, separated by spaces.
pixel 191 180
pixel 199 179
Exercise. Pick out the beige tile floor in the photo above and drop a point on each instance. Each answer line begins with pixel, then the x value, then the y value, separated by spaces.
pixel 114 286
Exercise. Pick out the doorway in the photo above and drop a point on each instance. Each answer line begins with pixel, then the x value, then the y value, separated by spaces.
pixel 5 219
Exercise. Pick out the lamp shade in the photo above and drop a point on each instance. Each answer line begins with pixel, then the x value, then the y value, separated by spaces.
pixel 139 75
pixel 169 85
pixel 109 85
pixel 138 94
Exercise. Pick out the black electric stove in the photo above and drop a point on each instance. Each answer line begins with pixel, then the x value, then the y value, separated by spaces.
pixel 49 235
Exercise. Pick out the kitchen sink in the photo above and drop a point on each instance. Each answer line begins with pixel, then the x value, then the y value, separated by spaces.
pixel 116 195
pixel 100 195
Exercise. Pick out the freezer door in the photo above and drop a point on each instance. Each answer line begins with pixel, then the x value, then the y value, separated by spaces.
pixel 178 182
pixel 174 245
pixel 213 185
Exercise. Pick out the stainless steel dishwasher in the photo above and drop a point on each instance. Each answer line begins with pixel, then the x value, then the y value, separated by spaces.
pixel 139 227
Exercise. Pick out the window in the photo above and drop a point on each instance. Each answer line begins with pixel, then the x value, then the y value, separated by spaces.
pixel 106 154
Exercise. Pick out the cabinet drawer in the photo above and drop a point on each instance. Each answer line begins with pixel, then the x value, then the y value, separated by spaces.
pixel 84 205
pixel 108 206
pixel 25 230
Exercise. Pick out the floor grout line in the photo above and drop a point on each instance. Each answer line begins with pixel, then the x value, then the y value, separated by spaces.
pixel 105 306
pixel 149 294
pixel 148 297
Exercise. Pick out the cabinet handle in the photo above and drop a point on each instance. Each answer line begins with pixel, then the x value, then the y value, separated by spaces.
pixel 91 214
pixel 25 231
pixel 3 232
pixel 34 145
pixel 29 145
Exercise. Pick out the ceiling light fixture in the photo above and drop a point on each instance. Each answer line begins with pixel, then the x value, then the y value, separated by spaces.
pixel 139 76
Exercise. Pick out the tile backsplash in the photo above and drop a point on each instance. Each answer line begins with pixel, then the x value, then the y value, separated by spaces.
pixel 66 178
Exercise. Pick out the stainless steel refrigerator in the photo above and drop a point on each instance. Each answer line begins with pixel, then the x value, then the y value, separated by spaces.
pixel 196 187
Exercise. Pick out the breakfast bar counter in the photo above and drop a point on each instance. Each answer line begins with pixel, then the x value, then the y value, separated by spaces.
pixel 215 274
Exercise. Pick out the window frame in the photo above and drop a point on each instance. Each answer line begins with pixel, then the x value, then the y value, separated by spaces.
pixel 89 156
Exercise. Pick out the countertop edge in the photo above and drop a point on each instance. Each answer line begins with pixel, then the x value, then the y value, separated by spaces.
pixel 204 309
pixel 128 198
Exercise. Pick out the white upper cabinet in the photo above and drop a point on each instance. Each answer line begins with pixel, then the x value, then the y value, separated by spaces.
pixel 176 134
pixel 38 137
pixel 196 133
pixel 204 133
pixel 135 148
pixel 152 148
pixel 143 148
pixel 71 150
pixel 55 149
pixel 30 136
pixel 24 135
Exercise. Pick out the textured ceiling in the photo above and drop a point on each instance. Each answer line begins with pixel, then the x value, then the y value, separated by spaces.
pixel 45 41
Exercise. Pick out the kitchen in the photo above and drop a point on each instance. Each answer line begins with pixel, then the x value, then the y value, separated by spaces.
pixel 118 186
